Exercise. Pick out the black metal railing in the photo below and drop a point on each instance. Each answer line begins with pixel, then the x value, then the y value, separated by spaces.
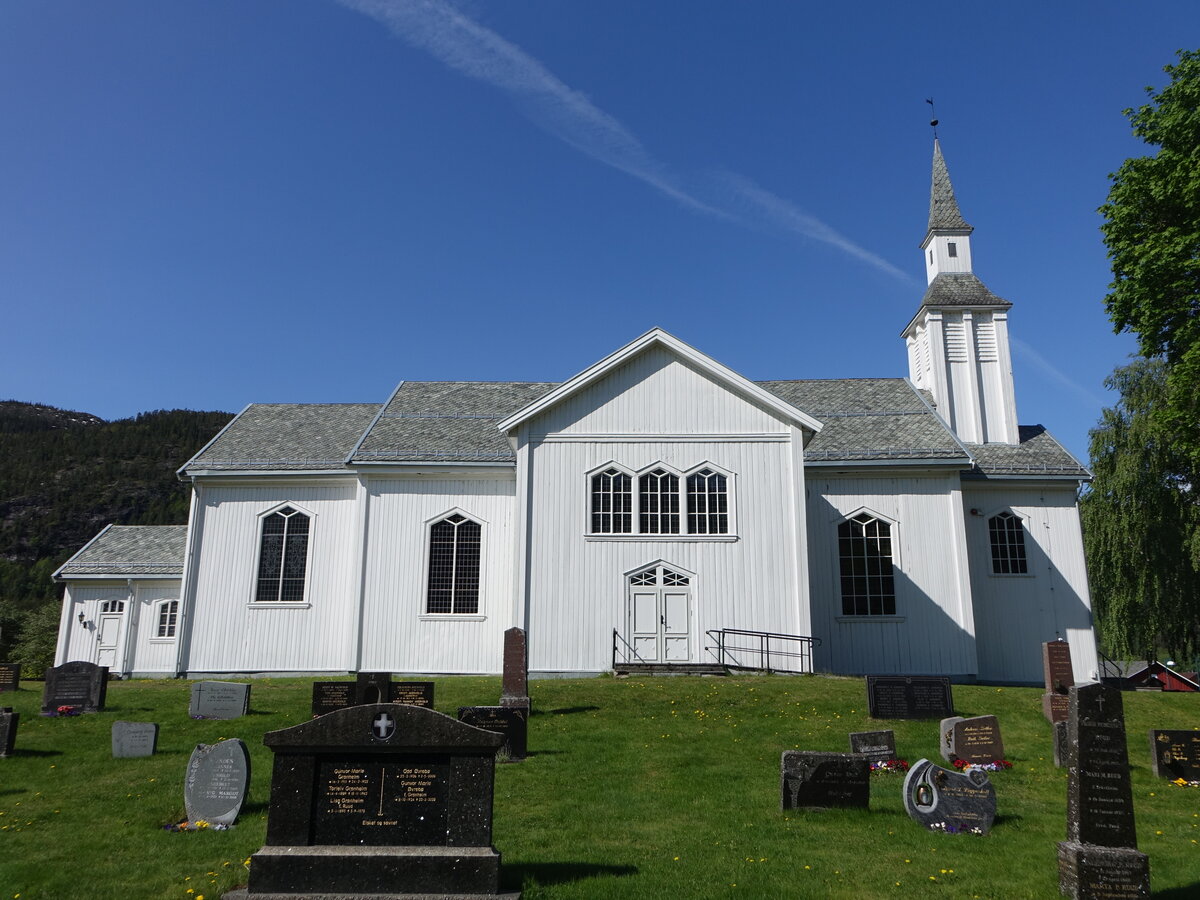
pixel 1110 669
pixel 766 651
pixel 622 652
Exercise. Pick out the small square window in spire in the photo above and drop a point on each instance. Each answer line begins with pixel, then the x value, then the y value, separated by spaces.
pixel 951 249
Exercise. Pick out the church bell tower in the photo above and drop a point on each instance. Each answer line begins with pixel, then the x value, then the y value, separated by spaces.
pixel 958 340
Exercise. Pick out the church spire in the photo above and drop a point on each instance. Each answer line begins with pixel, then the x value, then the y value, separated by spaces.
pixel 947 243
pixel 943 206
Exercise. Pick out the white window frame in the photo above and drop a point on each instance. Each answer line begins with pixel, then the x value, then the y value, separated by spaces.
pixel 423 588
pixel 635 475
pixel 160 608
pixel 1026 537
pixel 894 536
pixel 253 602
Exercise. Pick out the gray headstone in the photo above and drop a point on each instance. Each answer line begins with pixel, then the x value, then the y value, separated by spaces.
pixel 954 802
pixel 382 800
pixel 876 746
pixel 514 686
pixel 1175 754
pixel 946 737
pixel 79 685
pixel 8 730
pixel 824 780
pixel 218 778
pixel 10 677
pixel 1061 744
pixel 131 739
pixel 512 722
pixel 413 693
pixel 219 700
pixel 328 696
pixel 909 697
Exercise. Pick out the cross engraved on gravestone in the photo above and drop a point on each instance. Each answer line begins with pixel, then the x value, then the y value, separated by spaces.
pixel 954 802
pixel 385 726
pixel 219 700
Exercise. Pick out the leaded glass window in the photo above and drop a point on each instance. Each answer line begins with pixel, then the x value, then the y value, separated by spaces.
pixel 708 503
pixel 865 553
pixel 612 502
pixel 283 557
pixel 168 614
pixel 658 493
pixel 454 558
pixel 1008 545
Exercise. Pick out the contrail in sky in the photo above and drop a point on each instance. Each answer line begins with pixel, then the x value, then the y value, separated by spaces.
pixel 1042 363
pixel 477 52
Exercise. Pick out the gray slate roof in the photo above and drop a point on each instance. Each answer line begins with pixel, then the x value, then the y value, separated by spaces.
pixel 1037 454
pixel 131 550
pixel 960 289
pixel 943 207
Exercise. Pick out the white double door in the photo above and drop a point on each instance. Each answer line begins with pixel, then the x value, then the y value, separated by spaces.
pixel 660 615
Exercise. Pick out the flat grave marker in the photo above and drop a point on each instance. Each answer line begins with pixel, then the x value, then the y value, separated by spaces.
pixel 219 700
pixel 909 697
pixel 8 730
pixel 510 721
pixel 811 780
pixel 876 746
pixel 1175 754
pixel 82 686
pixel 10 677
pixel 133 739
pixel 218 779
pixel 954 802
pixel 413 693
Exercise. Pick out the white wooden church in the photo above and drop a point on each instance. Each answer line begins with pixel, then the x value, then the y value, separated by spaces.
pixel 909 525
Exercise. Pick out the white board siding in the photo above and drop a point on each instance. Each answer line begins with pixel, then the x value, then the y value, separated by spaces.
pixel 396 634
pixel 151 654
pixel 1017 613
pixel 936 634
pixel 577 587
pixel 655 393
pixel 230 633
pixel 86 597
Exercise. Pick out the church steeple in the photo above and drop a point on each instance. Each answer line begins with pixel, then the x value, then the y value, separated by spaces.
pixel 958 340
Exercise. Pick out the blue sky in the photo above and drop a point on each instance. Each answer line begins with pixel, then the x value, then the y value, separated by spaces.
pixel 208 204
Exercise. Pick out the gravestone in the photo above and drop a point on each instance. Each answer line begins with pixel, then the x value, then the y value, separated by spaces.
pixel 382 801
pixel 10 677
pixel 511 722
pixel 8 730
pixel 514 687
pixel 130 739
pixel 909 696
pixel 413 693
pixel 328 696
pixel 1060 678
pixel 81 685
pixel 876 746
pixel 1175 754
pixel 372 687
pixel 824 780
pixel 954 802
pixel 1061 744
pixel 976 740
pixel 219 700
pixel 1099 856
pixel 218 778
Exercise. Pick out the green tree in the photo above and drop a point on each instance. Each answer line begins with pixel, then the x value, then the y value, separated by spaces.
pixel 1152 232
pixel 1141 523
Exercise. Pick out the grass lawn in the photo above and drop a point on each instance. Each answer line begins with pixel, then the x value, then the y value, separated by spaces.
pixel 634 788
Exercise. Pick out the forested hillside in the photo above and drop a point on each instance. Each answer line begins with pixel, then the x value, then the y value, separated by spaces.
pixel 64 475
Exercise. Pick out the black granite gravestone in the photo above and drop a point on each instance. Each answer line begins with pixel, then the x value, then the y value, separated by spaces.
pixel 954 802
pixel 384 801
pixel 372 687
pixel 1098 858
pixel 79 686
pixel 510 721
pixel 876 746
pixel 8 730
pixel 1060 677
pixel 218 778
pixel 514 686
pixel 10 677
pixel 1175 754
pixel 328 696
pixel 413 693
pixel 131 739
pixel 219 700
pixel 976 740
pixel 824 780
pixel 909 697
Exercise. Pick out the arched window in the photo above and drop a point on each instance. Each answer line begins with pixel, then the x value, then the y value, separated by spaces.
pixel 282 557
pixel 1008 545
pixel 612 502
pixel 658 494
pixel 455 543
pixel 865 552
pixel 168 615
pixel 707 503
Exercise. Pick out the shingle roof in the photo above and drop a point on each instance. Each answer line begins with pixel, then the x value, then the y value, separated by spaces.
pixel 1037 454
pixel 869 418
pixel 287 436
pixel 960 289
pixel 943 207
pixel 452 421
pixel 131 550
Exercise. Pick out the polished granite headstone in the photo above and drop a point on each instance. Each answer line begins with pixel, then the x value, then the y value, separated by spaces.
pixel 80 685
pixel 909 696
pixel 131 739
pixel 219 700
pixel 372 687
pixel 8 730
pixel 1099 857
pixel 512 722
pixel 1060 678
pixel 514 686
pixel 10 677
pixel 382 801
pixel 824 780
pixel 876 746
pixel 976 740
pixel 218 778
pixel 954 802
pixel 413 693
pixel 1175 754
pixel 328 696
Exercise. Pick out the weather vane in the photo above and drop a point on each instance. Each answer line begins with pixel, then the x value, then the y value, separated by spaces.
pixel 932 122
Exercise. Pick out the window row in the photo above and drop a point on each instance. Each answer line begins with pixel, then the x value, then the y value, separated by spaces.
pixel 658 505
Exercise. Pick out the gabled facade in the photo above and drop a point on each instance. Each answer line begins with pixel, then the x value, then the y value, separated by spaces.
pixel 909 524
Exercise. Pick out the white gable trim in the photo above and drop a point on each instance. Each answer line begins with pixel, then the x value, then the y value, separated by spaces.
pixel 58 576
pixel 657 337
